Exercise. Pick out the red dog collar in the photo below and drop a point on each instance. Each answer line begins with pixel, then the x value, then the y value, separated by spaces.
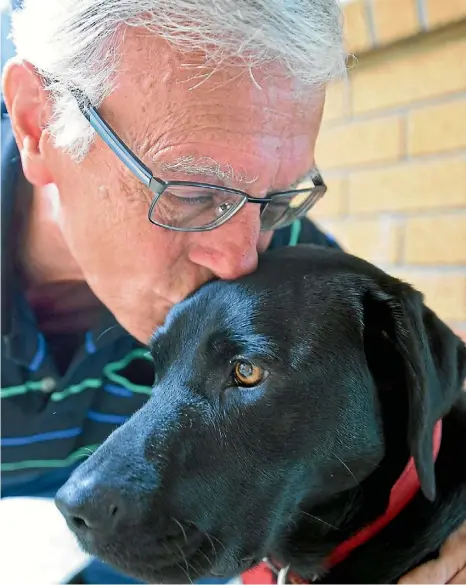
pixel 401 495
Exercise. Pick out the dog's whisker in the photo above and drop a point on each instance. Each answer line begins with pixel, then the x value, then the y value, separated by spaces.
pixel 213 546
pixel 320 520
pixel 167 548
pixel 219 541
pixel 231 557
pixel 207 559
pixel 228 554
pixel 187 574
pixel 185 562
pixel 181 528
pixel 349 470
pixel 107 331
pixel 197 567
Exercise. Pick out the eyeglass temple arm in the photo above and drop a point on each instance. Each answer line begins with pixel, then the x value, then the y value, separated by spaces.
pixel 136 166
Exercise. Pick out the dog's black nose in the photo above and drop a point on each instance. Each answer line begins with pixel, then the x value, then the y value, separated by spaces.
pixel 89 507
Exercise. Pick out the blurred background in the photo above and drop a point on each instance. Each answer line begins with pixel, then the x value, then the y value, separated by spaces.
pixel 393 146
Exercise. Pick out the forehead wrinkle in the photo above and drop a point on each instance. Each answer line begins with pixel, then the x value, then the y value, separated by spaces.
pixel 209 167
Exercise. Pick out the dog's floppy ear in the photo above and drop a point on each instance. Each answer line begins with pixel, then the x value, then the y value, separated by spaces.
pixel 433 368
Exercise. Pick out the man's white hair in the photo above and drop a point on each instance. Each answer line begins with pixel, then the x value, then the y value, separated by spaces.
pixel 77 42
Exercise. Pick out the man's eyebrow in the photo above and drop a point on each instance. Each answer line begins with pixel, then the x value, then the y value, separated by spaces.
pixel 302 179
pixel 209 168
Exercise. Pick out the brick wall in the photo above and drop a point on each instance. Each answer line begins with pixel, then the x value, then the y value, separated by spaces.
pixel 393 146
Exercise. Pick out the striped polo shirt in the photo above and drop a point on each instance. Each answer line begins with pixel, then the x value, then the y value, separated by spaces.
pixel 50 420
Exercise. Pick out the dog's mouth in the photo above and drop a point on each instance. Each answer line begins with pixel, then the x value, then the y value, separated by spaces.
pixel 183 554
pixel 177 546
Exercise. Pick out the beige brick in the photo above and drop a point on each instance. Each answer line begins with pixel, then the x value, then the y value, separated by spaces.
pixel 437 128
pixel 423 71
pixel 356 27
pixel 441 12
pixel 333 203
pixel 445 293
pixel 336 101
pixel 334 227
pixel 375 240
pixel 435 240
pixel 394 19
pixel 364 142
pixel 409 187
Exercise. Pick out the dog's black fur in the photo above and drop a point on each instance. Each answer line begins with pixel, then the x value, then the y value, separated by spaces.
pixel 209 477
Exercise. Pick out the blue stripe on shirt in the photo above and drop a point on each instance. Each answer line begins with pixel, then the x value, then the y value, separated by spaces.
pixel 117 390
pixel 39 356
pixel 102 417
pixel 89 342
pixel 51 436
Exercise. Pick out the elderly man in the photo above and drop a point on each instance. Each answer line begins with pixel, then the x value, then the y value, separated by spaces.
pixel 157 145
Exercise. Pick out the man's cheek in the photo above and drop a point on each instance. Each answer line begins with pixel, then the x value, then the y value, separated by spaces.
pixel 264 241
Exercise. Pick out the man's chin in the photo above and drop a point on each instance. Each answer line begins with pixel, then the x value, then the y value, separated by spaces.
pixel 141 331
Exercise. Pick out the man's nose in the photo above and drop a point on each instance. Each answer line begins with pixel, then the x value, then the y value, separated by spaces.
pixel 229 251
pixel 88 507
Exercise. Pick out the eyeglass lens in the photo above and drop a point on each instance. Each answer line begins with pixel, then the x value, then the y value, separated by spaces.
pixel 196 207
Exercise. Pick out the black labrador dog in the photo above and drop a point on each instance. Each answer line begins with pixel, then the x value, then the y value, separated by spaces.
pixel 286 406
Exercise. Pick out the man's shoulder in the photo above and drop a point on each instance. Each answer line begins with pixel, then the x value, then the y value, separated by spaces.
pixel 302 231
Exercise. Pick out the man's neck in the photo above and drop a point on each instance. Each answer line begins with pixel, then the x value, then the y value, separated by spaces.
pixel 52 280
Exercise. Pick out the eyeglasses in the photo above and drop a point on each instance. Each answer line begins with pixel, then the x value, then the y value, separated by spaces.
pixel 187 206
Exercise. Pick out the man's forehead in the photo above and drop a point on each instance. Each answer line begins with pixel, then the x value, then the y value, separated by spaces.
pixel 149 61
pixel 235 130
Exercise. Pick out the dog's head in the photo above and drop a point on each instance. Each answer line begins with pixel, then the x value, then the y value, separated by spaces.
pixel 280 400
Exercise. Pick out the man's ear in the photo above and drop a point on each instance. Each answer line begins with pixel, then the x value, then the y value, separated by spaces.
pixel 433 365
pixel 29 109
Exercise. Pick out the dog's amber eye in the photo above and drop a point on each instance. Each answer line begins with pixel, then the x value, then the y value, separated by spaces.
pixel 247 374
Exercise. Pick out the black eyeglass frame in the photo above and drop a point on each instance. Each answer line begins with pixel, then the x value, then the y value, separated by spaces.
pixel 158 186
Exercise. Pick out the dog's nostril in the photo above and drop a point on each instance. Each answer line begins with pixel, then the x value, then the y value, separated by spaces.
pixel 97 509
pixel 82 522
pixel 79 522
